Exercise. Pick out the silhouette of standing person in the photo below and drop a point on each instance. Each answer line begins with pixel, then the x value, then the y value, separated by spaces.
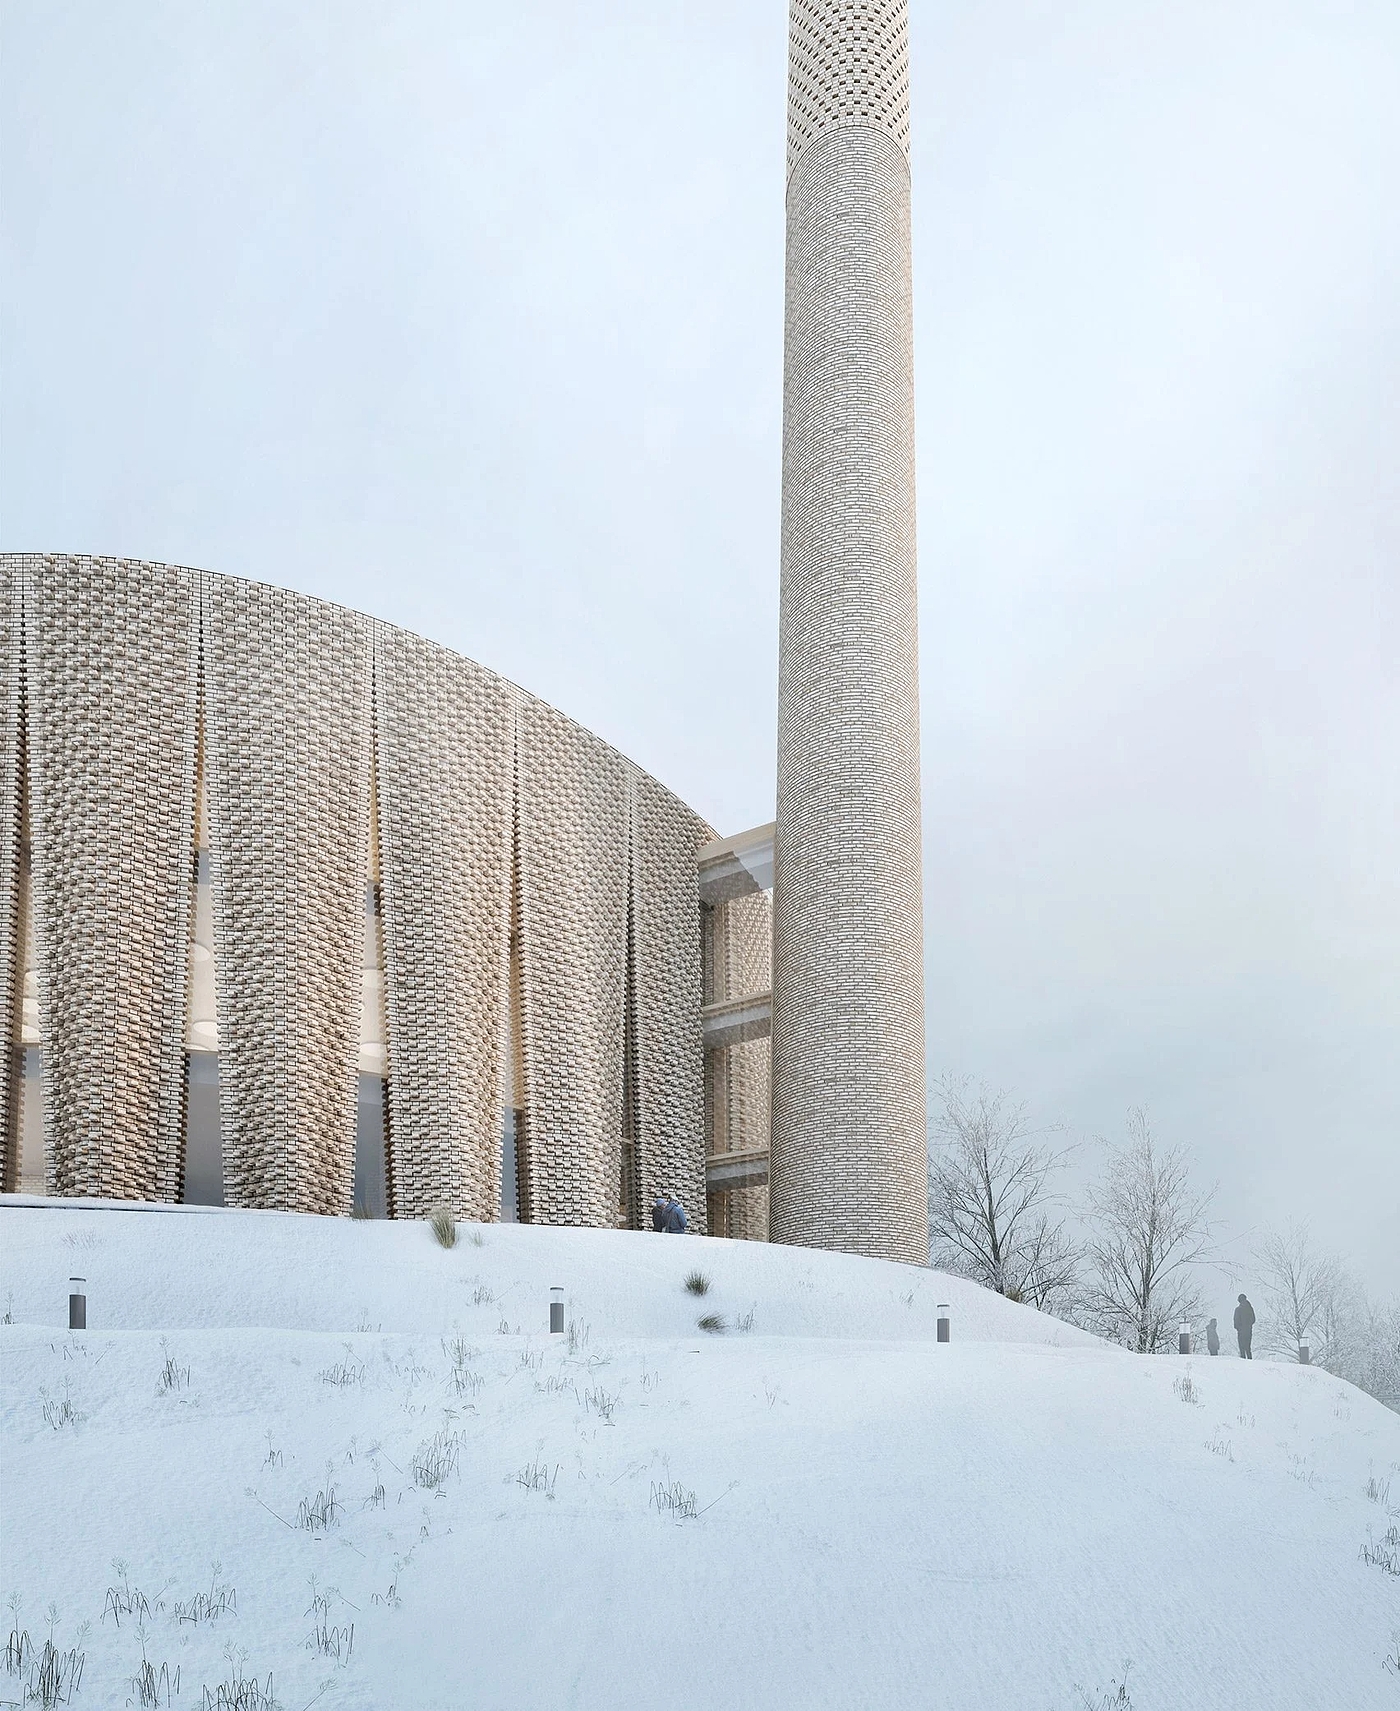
pixel 1212 1338
pixel 1244 1327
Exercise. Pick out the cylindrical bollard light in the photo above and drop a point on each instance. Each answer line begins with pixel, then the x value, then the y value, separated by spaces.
pixel 1183 1340
pixel 556 1310
pixel 1304 1354
pixel 944 1326
pixel 77 1304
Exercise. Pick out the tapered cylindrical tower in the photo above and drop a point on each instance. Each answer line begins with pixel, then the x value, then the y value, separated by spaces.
pixel 848 1163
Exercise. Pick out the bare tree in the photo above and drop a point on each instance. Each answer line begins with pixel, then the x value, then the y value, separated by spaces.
pixel 992 1203
pixel 1304 1297
pixel 1149 1228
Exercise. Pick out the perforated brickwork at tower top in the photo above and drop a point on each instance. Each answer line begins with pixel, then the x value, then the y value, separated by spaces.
pixel 848 64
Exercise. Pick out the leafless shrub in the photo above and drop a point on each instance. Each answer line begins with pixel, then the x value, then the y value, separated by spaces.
pixel 714 1323
pixel 674 1500
pixel 444 1226
pixel 435 1459
pixel 697 1283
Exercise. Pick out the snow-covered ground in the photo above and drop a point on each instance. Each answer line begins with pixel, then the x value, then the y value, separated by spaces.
pixel 878 1520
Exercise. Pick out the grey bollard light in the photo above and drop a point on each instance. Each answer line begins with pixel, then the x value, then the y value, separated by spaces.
pixel 1183 1340
pixel 556 1310
pixel 1304 1354
pixel 944 1326
pixel 77 1304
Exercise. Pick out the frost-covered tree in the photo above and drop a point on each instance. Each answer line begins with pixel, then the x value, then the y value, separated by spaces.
pixel 1305 1295
pixel 993 1209
pixel 1149 1227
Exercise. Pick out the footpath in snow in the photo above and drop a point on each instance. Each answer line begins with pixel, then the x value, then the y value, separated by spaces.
pixel 325 1462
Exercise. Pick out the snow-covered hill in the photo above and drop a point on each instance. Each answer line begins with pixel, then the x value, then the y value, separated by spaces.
pixel 819 1506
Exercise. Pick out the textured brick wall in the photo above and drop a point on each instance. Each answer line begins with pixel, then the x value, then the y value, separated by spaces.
pixel 287 726
pixel 443 760
pixel 111 776
pixel 848 1166
pixel 490 806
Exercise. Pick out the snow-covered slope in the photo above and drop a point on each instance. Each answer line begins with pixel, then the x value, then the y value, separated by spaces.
pixel 879 1520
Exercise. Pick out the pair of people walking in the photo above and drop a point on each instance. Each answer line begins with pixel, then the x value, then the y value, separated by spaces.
pixel 1244 1330
pixel 668 1215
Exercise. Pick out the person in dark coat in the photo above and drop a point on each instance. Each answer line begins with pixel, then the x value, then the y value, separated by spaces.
pixel 658 1214
pixel 1244 1327
pixel 675 1217
pixel 1212 1338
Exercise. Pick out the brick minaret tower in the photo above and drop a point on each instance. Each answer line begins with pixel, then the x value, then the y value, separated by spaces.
pixel 848 1163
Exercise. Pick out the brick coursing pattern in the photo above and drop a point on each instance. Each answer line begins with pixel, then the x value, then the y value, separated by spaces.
pixel 572 809
pixel 666 923
pixel 111 778
pixel 11 974
pixel 300 701
pixel 444 729
pixel 287 722
pixel 738 1089
pixel 848 1161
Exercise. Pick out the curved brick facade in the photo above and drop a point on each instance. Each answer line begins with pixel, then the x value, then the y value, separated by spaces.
pixel 535 896
pixel 848 1165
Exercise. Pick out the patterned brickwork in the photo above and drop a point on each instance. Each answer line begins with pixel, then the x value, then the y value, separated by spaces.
pixel 848 64
pixel 848 1159
pixel 11 974
pixel 738 1088
pixel 666 917
pixel 111 769
pixel 444 731
pixel 287 698
pixel 573 830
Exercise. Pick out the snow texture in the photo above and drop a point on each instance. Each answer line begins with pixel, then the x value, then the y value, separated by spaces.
pixel 818 1506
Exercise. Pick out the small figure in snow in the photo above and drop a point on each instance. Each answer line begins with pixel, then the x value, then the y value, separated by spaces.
pixel 1244 1328
pixel 658 1214
pixel 675 1217
pixel 1212 1338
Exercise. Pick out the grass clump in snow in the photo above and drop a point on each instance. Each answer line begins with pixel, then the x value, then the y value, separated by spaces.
pixel 153 1687
pixel 443 1226
pixel 697 1283
pixel 58 1411
pixel 675 1501
pixel 49 1677
pixel 327 1639
pixel 1378 1490
pixel 1384 1553
pixel 320 1513
pixel 207 1606
pixel 1115 1698
pixel 435 1459
pixel 600 1402
pixel 535 1476
pixel 345 1372
pixel 1188 1390
pixel 172 1375
pixel 713 1323
pixel 240 1692
pixel 126 1599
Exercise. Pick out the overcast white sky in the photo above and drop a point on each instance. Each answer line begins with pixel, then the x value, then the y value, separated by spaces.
pixel 469 316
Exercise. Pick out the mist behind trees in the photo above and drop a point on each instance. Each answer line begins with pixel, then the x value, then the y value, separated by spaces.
pixel 1136 1253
